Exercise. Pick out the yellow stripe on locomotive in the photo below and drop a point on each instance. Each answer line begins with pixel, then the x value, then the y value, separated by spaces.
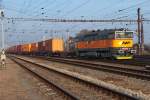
pixel 128 43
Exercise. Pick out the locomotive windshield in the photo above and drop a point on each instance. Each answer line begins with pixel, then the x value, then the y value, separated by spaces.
pixel 123 34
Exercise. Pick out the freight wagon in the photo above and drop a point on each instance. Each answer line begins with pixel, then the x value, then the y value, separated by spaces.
pixel 54 47
pixel 34 48
pixel 11 50
pixel 18 49
pixel 25 49
pixel 41 48
pixel 50 47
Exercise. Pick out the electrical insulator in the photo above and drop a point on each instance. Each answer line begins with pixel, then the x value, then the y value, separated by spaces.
pixel 2 13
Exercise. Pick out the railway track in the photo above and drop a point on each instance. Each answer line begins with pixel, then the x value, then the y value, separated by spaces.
pixel 97 86
pixel 141 62
pixel 64 93
pixel 130 72
pixel 137 61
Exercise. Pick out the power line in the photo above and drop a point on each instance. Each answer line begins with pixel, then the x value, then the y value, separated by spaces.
pixel 118 12
pixel 121 17
pixel 147 13
pixel 37 6
pixel 22 7
pixel 25 6
pixel 61 9
pixel 42 7
pixel 15 10
pixel 28 5
pixel 78 7
pixel 72 20
pixel 58 5
pixel 108 7
pixel 133 6
pixel 50 9
pixel 1 6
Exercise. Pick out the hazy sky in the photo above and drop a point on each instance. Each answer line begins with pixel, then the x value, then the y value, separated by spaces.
pixel 20 32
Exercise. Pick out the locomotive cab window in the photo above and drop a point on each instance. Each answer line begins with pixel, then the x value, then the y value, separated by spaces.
pixel 123 34
pixel 111 35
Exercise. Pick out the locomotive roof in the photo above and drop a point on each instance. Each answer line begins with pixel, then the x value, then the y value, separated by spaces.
pixel 93 32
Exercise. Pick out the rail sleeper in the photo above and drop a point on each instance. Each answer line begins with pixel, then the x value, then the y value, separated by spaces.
pixel 99 83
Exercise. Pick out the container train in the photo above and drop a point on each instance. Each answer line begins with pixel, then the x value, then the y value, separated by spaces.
pixel 48 47
pixel 110 43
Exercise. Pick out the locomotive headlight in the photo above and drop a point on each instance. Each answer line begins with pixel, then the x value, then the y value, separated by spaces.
pixel 120 51
pixel 133 51
pixel 120 43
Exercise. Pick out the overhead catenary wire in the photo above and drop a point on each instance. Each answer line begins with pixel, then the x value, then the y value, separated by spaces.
pixel 61 9
pixel 35 8
pixel 25 6
pixel 21 9
pixel 76 8
pixel 134 5
pixel 51 8
pixel 44 8
pixel 28 5
pixel 39 4
pixel 57 6
pixel 37 12
pixel 106 7
pixel 119 11
pixel 74 26
pixel 114 18
pixel 146 13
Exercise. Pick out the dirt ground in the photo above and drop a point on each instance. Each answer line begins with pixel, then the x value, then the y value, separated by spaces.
pixel 17 84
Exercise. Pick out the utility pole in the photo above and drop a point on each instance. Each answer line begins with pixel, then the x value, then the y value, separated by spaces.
pixel 142 36
pixel 2 33
pixel 2 25
pixel 139 31
pixel 67 34
pixel 67 40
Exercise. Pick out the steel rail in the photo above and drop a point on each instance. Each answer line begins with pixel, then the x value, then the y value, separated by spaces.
pixel 140 74
pixel 121 92
pixel 67 94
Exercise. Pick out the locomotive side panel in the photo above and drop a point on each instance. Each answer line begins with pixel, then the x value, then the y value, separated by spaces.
pixel 94 44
